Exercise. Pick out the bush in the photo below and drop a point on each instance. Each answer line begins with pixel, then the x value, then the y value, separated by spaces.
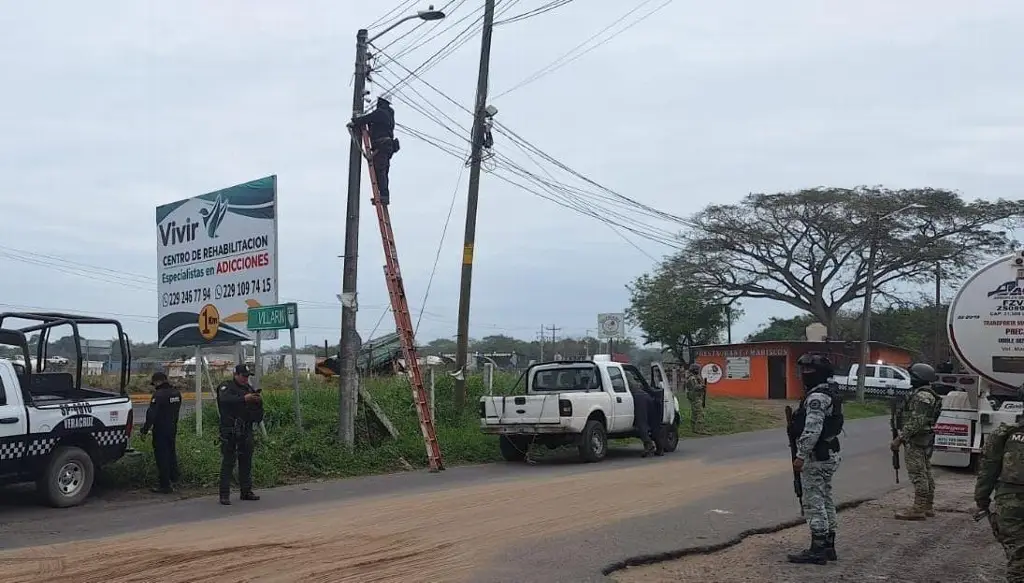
pixel 288 456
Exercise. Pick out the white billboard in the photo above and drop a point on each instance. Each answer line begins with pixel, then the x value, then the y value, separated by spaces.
pixel 216 258
pixel 611 325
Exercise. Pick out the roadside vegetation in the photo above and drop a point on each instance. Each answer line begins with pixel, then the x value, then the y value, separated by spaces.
pixel 288 456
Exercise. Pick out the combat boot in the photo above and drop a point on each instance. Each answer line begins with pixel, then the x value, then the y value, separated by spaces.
pixel 830 546
pixel 816 555
pixel 915 512
pixel 929 506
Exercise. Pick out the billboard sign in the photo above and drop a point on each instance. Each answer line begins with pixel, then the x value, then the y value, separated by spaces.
pixel 216 258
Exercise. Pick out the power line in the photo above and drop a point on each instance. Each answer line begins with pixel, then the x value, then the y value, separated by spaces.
pixel 535 12
pixel 440 245
pixel 565 59
pixel 401 7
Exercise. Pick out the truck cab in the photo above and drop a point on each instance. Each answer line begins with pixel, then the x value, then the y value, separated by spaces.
pixel 53 430
pixel 582 403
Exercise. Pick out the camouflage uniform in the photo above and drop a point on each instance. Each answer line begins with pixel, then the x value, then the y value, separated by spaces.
pixel 696 387
pixel 1002 472
pixel 917 437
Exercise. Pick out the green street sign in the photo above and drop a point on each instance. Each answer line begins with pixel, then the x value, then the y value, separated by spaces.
pixel 277 317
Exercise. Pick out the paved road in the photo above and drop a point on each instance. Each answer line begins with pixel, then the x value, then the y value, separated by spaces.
pixel 713 513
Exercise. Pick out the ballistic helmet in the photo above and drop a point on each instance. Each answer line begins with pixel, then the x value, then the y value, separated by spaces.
pixel 815 369
pixel 922 374
pixel 695 368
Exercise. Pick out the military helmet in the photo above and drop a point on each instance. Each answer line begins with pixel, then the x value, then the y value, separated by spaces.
pixel 922 374
pixel 695 368
pixel 816 362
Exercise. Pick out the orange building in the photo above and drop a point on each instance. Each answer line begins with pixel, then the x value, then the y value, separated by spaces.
pixel 767 370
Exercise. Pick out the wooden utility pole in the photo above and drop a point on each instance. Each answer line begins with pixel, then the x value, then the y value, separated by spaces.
pixel 348 348
pixel 938 314
pixel 479 120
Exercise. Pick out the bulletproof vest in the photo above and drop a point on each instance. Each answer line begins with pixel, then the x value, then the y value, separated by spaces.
pixel 828 441
pixel 936 412
pixel 1013 459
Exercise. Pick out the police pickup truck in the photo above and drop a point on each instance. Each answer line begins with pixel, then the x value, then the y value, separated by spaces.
pixel 54 431
pixel 580 403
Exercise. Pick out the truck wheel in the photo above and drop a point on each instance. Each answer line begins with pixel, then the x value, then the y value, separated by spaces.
pixel 593 442
pixel 68 477
pixel 512 449
pixel 668 437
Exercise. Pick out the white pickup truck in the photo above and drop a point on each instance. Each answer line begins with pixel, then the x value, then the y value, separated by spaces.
pixel 581 403
pixel 879 380
pixel 54 431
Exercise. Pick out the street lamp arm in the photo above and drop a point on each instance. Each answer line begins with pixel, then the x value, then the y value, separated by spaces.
pixel 424 15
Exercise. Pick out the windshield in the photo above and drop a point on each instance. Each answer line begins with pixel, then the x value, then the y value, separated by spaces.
pixel 580 377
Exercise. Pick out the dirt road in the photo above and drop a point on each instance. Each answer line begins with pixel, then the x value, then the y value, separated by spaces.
pixel 949 548
pixel 441 536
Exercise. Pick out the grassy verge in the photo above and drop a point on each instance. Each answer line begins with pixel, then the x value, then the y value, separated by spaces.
pixel 288 456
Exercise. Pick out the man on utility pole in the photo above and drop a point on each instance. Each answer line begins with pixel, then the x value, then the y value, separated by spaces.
pixel 479 121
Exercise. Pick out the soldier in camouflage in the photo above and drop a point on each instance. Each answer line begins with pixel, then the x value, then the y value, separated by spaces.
pixel 696 390
pixel 1002 471
pixel 917 436
pixel 816 426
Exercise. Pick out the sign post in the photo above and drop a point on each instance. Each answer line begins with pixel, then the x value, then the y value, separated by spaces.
pixel 280 317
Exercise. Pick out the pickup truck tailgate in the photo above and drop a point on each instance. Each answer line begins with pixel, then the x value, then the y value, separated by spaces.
pixel 523 409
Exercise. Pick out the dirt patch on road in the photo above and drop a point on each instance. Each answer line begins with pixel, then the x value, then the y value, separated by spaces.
pixel 872 546
pixel 432 537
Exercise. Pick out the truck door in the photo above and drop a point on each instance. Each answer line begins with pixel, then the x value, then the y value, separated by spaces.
pixel 622 400
pixel 13 422
pixel 660 380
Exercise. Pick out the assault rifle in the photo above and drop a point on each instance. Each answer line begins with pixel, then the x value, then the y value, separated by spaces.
pixel 798 487
pixel 894 423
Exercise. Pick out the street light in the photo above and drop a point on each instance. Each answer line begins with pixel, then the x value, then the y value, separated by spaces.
pixel 869 284
pixel 348 348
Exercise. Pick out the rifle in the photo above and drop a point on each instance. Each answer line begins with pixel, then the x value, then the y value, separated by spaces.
pixel 894 423
pixel 798 487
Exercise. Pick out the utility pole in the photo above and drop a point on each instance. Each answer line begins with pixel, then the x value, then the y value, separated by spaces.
pixel 541 336
pixel 479 119
pixel 938 313
pixel 553 329
pixel 348 349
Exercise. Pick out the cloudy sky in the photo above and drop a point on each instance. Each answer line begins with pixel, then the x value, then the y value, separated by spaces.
pixel 112 108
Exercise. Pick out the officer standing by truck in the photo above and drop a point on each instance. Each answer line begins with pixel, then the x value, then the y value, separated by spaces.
pixel 240 407
pixel 916 425
pixel 815 429
pixel 696 392
pixel 1001 471
pixel 162 419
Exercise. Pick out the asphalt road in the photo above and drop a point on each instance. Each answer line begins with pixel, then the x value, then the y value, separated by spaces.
pixel 697 518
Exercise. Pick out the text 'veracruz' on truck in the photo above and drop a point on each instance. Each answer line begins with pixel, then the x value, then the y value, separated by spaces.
pixel 986 333
pixel 54 431
pixel 581 403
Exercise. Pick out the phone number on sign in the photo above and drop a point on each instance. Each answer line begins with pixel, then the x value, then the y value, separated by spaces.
pixel 186 296
pixel 243 287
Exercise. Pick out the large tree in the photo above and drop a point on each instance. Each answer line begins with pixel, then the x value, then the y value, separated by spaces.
pixel 810 248
pixel 676 314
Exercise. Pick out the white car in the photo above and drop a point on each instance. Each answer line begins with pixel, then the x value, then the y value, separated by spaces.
pixel 581 403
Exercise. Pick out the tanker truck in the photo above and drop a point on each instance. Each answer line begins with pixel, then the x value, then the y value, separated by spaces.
pixel 985 325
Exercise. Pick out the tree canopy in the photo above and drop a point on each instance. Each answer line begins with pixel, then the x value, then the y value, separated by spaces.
pixel 672 312
pixel 810 248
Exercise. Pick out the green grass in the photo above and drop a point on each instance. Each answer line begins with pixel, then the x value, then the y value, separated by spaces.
pixel 288 456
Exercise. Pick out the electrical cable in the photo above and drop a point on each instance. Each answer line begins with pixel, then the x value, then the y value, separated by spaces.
pixel 561 62
pixel 401 7
pixel 535 12
pixel 440 245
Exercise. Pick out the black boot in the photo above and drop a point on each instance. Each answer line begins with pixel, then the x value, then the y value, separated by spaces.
pixel 814 555
pixel 830 547
pixel 225 499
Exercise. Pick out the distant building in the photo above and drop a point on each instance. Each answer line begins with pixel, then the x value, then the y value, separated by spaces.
pixel 767 370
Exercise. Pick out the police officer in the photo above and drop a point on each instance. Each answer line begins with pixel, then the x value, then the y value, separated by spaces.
pixel 240 407
pixel 916 424
pixel 815 428
pixel 696 391
pixel 162 419
pixel 1002 471
pixel 383 145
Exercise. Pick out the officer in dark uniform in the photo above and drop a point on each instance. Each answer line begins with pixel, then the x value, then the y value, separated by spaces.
pixel 162 419
pixel 383 145
pixel 240 407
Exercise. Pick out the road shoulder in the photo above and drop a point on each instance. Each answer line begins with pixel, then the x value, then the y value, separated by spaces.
pixel 872 546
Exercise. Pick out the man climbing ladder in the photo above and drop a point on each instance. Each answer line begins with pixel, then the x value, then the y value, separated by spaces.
pixel 381 126
pixel 403 321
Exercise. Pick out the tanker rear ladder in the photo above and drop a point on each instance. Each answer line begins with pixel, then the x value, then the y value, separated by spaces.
pixel 403 321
